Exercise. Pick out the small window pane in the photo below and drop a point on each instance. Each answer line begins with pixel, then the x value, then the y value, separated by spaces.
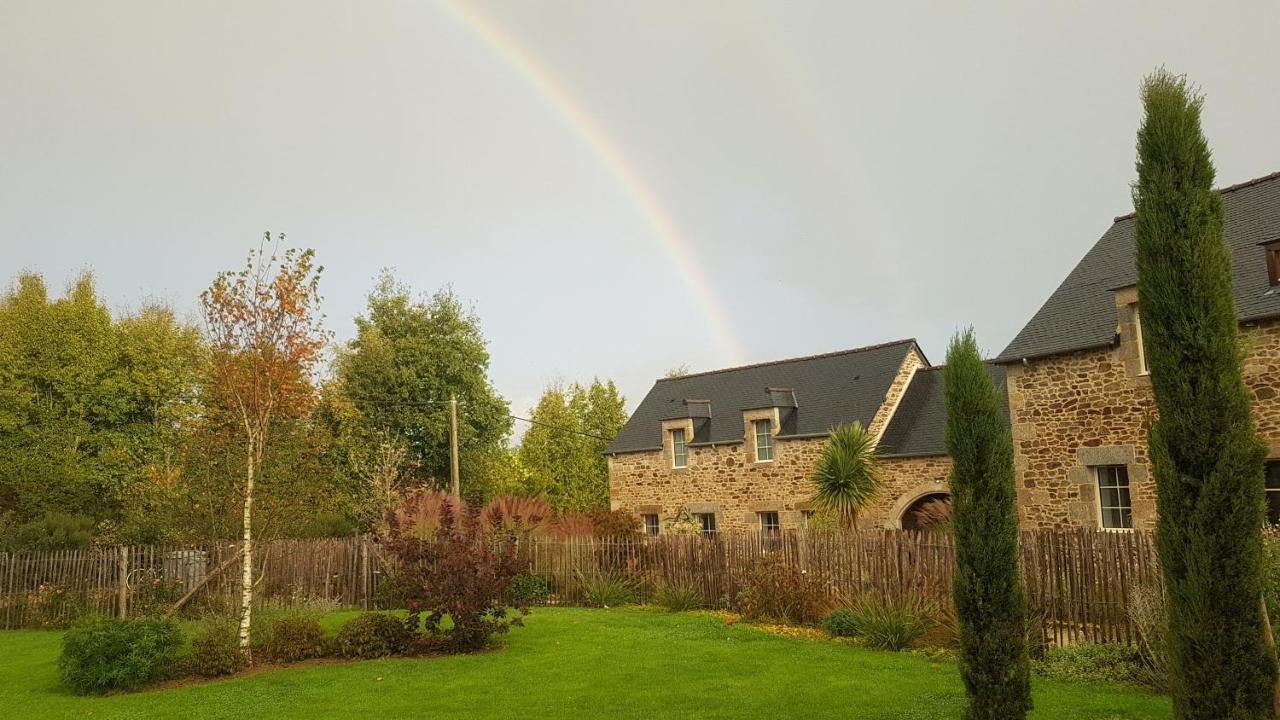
pixel 769 523
pixel 1273 492
pixel 764 440
pixel 651 526
pixel 708 521
pixel 679 450
pixel 1113 497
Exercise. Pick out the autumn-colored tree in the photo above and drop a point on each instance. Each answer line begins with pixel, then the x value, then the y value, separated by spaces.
pixel 266 336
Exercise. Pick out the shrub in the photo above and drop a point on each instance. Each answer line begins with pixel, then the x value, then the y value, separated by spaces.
pixel 1150 618
pixel 373 635
pixel 215 651
pixel 842 623
pixel 608 588
pixel 888 623
pixel 53 606
pixel 517 515
pixel 530 589
pixel 154 594
pixel 1088 662
pixel 572 525
pixel 615 524
pixel 54 531
pixel 781 592
pixel 294 637
pixel 678 596
pixel 104 654
pixel 461 572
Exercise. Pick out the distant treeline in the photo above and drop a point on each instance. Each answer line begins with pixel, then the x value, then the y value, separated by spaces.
pixel 110 432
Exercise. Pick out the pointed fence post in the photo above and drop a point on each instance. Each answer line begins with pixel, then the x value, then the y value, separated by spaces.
pixel 122 600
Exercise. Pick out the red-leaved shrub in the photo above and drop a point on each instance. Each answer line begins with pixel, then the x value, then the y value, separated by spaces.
pixel 463 571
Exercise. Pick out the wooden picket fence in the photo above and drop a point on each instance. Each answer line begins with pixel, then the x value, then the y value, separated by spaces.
pixel 1078 581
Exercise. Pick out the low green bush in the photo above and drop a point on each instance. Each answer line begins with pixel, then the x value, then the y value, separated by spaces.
pixel 373 635
pixel 1088 662
pixel 883 622
pixel 294 637
pixel 842 623
pixel 678 596
pixel 530 589
pixel 607 589
pixel 215 651
pixel 105 655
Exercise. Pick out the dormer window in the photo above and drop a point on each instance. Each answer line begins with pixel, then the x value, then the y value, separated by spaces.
pixel 1272 249
pixel 764 440
pixel 679 449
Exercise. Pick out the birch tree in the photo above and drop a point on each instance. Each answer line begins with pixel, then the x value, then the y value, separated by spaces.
pixel 266 335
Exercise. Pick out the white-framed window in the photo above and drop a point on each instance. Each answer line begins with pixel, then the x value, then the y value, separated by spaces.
pixel 1273 492
pixel 769 524
pixel 1137 338
pixel 708 522
pixel 806 517
pixel 1113 497
pixel 651 524
pixel 764 440
pixel 679 449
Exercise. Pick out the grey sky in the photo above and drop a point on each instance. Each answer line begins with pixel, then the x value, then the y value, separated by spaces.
pixel 843 173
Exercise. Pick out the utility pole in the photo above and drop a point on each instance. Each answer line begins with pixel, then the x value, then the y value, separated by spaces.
pixel 453 446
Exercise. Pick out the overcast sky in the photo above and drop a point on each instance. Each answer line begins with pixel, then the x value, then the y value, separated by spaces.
pixel 831 174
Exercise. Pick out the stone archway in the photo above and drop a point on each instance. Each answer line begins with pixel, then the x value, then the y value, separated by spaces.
pixel 927 512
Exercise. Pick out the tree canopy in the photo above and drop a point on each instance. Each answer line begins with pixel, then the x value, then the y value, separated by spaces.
pixel 408 357
pixel 562 453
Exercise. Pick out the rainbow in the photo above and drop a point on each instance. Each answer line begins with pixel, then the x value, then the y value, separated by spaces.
pixel 615 161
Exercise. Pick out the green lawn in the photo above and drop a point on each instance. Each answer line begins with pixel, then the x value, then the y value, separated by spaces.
pixel 571 663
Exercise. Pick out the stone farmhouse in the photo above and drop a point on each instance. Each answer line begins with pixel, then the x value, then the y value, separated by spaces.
pixel 734 449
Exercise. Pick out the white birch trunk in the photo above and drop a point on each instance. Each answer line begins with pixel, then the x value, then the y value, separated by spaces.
pixel 246 553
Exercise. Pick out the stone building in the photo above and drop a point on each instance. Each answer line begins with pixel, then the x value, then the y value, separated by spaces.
pixel 735 449
pixel 1080 399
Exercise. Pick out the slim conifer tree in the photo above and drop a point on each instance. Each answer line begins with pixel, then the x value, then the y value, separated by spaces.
pixel 1206 456
pixel 990 601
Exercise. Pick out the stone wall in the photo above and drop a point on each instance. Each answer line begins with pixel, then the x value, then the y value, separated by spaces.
pixel 1073 412
pixel 726 479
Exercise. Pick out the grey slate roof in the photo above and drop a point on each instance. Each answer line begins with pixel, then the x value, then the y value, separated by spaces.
pixel 1081 314
pixel 829 389
pixel 918 425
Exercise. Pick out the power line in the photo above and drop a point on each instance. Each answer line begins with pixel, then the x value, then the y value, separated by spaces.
pixel 561 429
pixel 412 403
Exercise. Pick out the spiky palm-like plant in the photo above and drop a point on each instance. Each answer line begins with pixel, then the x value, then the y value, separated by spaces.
pixel 847 477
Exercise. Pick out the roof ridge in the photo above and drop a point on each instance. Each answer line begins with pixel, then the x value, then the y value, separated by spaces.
pixel 819 356
pixel 1220 191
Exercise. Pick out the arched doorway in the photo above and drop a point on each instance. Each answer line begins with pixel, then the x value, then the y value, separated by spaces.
pixel 928 512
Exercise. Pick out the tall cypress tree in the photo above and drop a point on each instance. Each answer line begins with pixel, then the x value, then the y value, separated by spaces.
pixel 1205 454
pixel 989 598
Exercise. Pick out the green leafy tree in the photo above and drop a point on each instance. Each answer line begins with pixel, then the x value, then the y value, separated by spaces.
pixel 1206 456
pixel 562 453
pixel 847 478
pixel 92 409
pixel 989 597
pixel 407 358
